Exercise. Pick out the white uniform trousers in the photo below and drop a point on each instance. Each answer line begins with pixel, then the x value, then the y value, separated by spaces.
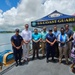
pixel 26 48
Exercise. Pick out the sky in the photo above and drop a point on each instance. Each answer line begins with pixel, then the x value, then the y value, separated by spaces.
pixel 16 13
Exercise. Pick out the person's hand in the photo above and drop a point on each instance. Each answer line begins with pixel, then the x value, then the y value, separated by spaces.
pixel 44 41
pixel 52 44
pixel 18 47
pixel 28 41
pixel 62 43
pixel 36 41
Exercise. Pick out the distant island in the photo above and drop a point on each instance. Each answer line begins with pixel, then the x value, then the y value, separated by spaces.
pixel 73 28
pixel 7 31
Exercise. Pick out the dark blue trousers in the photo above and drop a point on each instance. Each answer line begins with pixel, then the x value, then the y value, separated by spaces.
pixel 50 51
pixel 17 55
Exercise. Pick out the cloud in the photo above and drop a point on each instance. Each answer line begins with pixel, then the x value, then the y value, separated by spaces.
pixel 1 11
pixel 63 6
pixel 8 2
pixel 29 10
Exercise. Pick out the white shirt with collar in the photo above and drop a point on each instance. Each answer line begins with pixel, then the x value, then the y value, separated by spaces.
pixel 27 35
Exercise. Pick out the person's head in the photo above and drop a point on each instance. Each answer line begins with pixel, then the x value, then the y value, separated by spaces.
pixel 50 30
pixel 26 26
pixel 55 28
pixel 66 26
pixel 17 31
pixel 62 30
pixel 35 30
pixel 44 29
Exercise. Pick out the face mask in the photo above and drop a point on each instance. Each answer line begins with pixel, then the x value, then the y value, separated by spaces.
pixel 62 33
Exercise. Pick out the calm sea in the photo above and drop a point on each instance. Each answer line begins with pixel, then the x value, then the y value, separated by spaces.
pixel 5 43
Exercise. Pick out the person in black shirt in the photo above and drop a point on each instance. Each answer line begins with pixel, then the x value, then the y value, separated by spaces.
pixel 17 41
pixel 50 47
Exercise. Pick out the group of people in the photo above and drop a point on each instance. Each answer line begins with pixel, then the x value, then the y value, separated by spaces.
pixel 54 43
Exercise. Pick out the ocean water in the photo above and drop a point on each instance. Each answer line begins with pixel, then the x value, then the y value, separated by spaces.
pixel 5 41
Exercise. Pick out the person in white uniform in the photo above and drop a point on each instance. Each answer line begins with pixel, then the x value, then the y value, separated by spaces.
pixel 27 36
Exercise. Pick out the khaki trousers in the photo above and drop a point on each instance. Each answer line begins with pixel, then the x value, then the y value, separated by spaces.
pixel 43 48
pixel 63 51
pixel 69 44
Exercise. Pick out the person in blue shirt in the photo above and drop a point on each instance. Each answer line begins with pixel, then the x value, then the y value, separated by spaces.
pixel 70 33
pixel 56 33
pixel 63 48
pixel 35 42
pixel 17 41
pixel 50 48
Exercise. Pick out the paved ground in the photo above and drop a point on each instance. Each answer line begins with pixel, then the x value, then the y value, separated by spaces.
pixel 40 67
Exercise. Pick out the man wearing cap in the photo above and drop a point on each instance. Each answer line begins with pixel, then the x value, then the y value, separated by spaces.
pixel 50 48
pixel 17 41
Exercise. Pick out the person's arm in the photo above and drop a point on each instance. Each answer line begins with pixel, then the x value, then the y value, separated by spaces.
pixel 67 38
pixel 33 40
pixel 48 41
pixel 20 45
pixel 22 41
pixel 54 41
pixel 22 35
pixel 41 38
pixel 71 35
pixel 30 37
pixel 25 42
pixel 13 44
pixel 38 40
pixel 58 39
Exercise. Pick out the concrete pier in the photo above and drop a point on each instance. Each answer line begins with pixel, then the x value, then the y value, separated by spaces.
pixel 40 67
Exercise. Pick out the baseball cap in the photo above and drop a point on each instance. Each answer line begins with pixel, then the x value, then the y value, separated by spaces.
pixel 50 29
pixel 17 30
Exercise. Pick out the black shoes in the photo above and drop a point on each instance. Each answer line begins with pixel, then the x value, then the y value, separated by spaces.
pixel 20 63
pixel 38 57
pixel 47 61
pixel 32 58
pixel 16 64
pixel 52 60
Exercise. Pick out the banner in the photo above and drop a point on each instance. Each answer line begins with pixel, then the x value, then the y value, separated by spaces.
pixel 51 22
